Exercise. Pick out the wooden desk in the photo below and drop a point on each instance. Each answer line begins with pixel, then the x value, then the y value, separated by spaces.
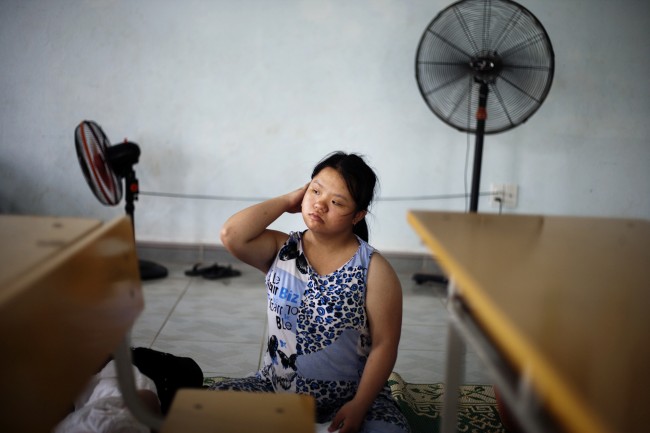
pixel 565 300
pixel 69 292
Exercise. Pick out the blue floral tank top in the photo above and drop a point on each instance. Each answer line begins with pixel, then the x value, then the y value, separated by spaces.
pixel 318 340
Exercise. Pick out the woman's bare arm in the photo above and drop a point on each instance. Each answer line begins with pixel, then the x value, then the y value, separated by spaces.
pixel 384 309
pixel 245 234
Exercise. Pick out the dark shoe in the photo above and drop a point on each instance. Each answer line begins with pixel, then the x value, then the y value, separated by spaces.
pixel 169 373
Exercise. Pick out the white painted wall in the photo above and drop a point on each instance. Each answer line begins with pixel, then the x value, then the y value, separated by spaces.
pixel 242 98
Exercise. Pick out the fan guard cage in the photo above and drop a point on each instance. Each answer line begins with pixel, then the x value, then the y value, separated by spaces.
pixel 453 53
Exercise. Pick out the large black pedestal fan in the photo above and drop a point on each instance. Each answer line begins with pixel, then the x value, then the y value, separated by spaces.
pixel 483 67
pixel 103 166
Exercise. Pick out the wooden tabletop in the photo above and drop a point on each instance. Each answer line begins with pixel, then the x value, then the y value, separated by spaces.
pixel 30 240
pixel 566 299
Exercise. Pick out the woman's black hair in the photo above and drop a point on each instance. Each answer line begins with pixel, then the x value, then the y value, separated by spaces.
pixel 360 179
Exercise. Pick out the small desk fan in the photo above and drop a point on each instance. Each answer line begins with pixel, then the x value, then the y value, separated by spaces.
pixel 476 48
pixel 103 165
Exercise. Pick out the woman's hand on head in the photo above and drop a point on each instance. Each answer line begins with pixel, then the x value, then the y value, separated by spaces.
pixel 295 199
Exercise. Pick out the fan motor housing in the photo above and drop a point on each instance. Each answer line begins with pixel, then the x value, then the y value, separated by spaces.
pixel 486 67
pixel 123 156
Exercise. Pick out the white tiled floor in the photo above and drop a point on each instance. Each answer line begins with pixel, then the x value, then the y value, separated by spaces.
pixel 221 324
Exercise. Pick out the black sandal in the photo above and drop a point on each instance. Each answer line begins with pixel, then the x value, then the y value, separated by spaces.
pixel 198 269
pixel 221 272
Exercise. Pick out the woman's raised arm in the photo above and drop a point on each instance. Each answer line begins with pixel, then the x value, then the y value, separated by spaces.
pixel 246 236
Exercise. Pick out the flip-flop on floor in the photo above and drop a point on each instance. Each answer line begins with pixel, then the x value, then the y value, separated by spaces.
pixel 220 272
pixel 212 272
pixel 199 269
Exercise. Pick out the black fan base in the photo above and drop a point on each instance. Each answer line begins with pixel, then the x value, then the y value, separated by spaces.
pixel 151 271
pixel 430 278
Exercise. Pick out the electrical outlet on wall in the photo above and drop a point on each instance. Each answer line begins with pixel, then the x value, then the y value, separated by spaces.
pixel 504 194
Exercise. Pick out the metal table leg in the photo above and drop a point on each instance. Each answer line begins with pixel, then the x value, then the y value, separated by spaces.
pixel 454 370
pixel 124 367
pixel 514 386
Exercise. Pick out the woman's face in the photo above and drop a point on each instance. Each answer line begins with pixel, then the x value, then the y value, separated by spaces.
pixel 327 205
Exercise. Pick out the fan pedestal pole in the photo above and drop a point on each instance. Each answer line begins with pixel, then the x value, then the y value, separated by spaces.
pixel 481 115
pixel 148 270
pixel 122 158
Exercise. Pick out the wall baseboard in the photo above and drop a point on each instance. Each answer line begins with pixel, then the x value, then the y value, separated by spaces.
pixel 213 253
